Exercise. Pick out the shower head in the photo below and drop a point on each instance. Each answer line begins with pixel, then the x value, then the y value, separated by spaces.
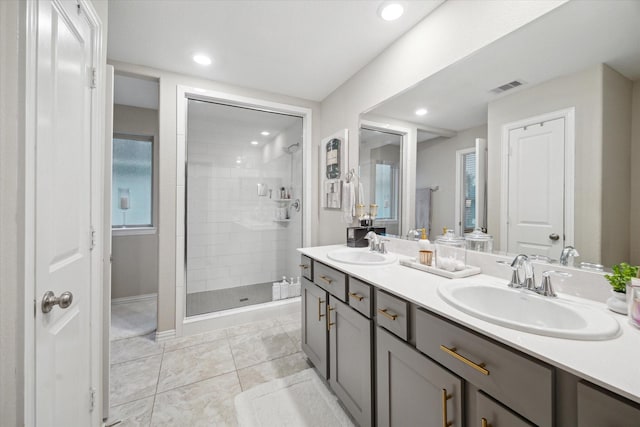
pixel 292 148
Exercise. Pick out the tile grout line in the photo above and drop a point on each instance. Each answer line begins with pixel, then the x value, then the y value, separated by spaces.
pixel 153 405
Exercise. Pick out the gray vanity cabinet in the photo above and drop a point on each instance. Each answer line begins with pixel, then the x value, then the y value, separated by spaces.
pixel 350 335
pixel 411 389
pixel 314 326
pixel 600 408
pixel 491 413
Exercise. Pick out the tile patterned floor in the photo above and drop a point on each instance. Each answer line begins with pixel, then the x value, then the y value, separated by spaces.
pixel 192 381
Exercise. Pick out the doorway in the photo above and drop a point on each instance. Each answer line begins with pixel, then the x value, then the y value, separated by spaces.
pixel 538 158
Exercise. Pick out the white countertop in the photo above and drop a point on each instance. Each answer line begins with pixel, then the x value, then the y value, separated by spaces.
pixel 612 364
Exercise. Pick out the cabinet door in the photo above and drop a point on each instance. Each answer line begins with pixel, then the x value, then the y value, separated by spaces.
pixel 598 408
pixel 411 389
pixel 492 414
pixel 350 360
pixel 314 326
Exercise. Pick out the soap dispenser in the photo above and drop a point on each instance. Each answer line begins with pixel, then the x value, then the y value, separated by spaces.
pixel 426 249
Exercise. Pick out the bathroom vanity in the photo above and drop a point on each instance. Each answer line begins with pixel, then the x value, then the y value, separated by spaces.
pixel 396 354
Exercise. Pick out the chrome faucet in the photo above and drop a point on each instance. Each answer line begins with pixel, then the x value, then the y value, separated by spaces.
pixel 376 244
pixel 567 253
pixel 522 266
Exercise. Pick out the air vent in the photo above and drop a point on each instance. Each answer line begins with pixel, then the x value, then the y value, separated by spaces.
pixel 507 86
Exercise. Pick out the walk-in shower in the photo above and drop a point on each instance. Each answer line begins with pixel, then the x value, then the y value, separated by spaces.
pixel 243 197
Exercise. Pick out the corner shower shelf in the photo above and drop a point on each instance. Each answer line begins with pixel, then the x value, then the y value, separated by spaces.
pixel 282 201
pixel 282 220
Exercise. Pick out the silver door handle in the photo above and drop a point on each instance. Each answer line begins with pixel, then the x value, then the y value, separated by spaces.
pixel 554 236
pixel 50 299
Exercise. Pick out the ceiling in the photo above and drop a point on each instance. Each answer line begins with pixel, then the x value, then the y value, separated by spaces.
pixel 301 48
pixel 571 38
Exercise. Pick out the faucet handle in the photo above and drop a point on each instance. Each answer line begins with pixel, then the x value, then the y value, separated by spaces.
pixel 382 246
pixel 515 277
pixel 546 288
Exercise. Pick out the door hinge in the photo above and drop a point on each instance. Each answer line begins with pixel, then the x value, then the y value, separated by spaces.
pixel 92 399
pixel 93 78
pixel 93 238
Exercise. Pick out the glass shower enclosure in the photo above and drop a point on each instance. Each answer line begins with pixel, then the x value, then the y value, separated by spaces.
pixel 243 198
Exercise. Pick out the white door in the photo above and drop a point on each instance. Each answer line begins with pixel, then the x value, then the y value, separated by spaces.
pixel 536 189
pixel 62 215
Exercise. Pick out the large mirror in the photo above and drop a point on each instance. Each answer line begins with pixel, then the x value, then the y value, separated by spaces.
pixel 558 104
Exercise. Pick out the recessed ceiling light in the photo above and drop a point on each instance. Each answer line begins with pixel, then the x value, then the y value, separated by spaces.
pixel 421 111
pixel 390 11
pixel 238 161
pixel 254 142
pixel 265 133
pixel 202 59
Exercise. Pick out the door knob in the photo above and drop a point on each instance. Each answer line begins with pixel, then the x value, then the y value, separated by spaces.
pixel 554 236
pixel 50 299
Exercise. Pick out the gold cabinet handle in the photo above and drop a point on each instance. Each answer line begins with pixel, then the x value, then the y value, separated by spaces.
pixel 484 423
pixel 326 279
pixel 303 266
pixel 329 322
pixel 356 296
pixel 386 314
pixel 445 417
pixel 480 367
pixel 320 315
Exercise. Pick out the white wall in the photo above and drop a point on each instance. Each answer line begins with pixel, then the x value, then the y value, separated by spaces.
pixel 436 166
pixel 135 256
pixel 453 31
pixel 634 226
pixel 168 245
pixel 616 167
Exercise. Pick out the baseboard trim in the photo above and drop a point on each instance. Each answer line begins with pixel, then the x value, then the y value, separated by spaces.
pixel 135 298
pixel 165 335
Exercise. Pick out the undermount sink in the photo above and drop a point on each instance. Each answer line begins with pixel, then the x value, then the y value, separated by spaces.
pixel 361 256
pixel 526 311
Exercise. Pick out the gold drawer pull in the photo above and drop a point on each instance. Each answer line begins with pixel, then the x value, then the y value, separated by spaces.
pixel 477 366
pixel 326 279
pixel 386 314
pixel 445 417
pixel 320 316
pixel 356 296
pixel 485 423
pixel 303 266
pixel 329 322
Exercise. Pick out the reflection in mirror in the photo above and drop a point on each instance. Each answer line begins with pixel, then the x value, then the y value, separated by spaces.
pixel 558 102
pixel 380 174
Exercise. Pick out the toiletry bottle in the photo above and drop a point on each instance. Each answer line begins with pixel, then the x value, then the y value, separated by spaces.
pixel 426 248
pixel 275 291
pixel 284 288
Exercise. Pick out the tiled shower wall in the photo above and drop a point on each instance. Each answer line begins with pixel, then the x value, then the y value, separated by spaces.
pixel 232 238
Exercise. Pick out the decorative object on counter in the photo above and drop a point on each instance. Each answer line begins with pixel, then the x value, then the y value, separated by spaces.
pixel 633 301
pixel 622 275
pixel 355 235
pixel 466 272
pixel 479 241
pixel 426 249
pixel 451 254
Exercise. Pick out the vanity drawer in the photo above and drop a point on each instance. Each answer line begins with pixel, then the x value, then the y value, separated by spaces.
pixel 331 280
pixel 392 314
pixel 360 296
pixel 522 384
pixel 306 267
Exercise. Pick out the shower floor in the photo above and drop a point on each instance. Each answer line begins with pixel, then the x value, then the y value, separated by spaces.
pixel 225 299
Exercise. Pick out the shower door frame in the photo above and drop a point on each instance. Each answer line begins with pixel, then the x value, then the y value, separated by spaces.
pixel 195 324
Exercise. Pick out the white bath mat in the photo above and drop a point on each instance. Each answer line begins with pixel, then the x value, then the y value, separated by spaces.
pixel 299 400
pixel 133 318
